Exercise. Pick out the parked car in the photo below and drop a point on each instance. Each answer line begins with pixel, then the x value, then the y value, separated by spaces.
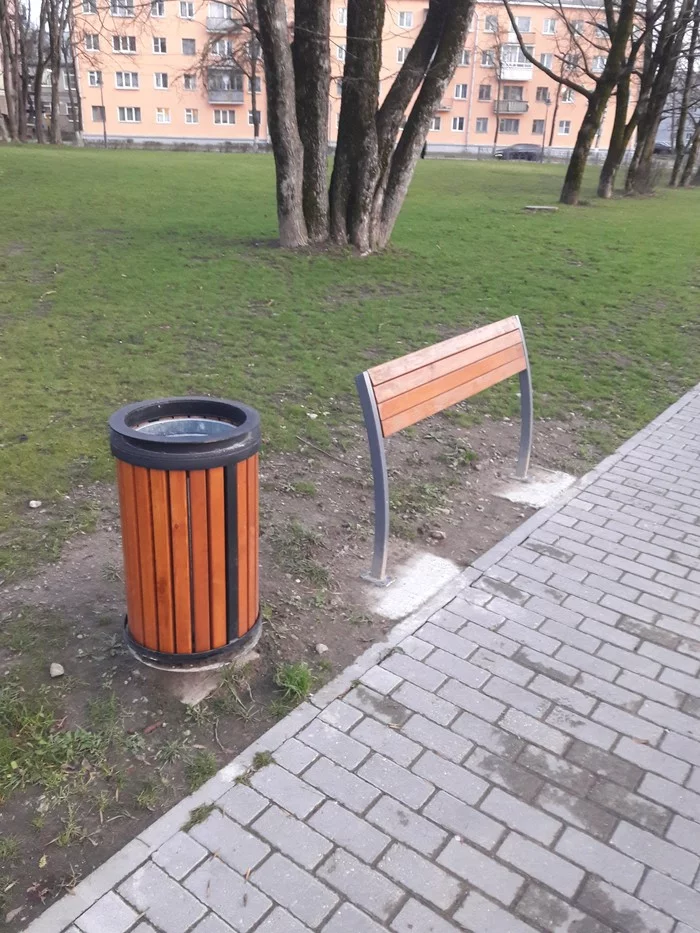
pixel 663 149
pixel 528 152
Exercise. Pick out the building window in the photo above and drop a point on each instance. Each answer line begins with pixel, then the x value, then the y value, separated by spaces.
pixel 549 27
pixel 124 43
pixel 405 20
pixel 222 48
pixel 491 24
pixel 69 82
pixel 484 92
pixel 160 80
pixel 162 114
pixel 92 42
pixel 122 7
pixel 89 6
pixel 546 59
pixel 508 125
pixel 577 26
pixel 457 124
pixel 482 124
pixel 401 54
pixel 46 78
pixel 564 127
pixel 542 94
pixel 186 9
pixel 461 91
pixel 189 82
pixel 342 16
pixel 567 95
pixel 98 114
pixel 340 53
pixel 191 115
pixel 219 10
pixel 339 87
pixel 464 57
pixel 487 59
pixel 158 9
pixel 598 63
pixel 538 127
pixel 258 85
pixel 129 114
pixel 95 78
pixel 435 123
pixel 189 47
pixel 225 117
pixel 71 111
pixel 160 46
pixel 252 120
pixel 513 92
pixel 524 23
pixel 127 79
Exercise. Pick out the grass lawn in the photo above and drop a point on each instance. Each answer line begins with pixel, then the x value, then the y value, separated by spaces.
pixel 129 275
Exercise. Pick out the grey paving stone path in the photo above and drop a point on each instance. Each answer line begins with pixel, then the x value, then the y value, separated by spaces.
pixel 522 756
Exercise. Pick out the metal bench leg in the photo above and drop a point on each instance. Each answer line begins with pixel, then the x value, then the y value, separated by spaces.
pixel 526 418
pixel 377 574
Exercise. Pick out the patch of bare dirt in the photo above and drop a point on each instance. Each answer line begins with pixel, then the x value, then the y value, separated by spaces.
pixel 316 540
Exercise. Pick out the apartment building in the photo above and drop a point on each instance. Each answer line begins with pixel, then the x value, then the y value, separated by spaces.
pixel 143 76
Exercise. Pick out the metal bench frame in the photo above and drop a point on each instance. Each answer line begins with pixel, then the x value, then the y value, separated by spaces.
pixel 375 436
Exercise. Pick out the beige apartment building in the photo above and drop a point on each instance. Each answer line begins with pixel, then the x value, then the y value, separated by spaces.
pixel 157 71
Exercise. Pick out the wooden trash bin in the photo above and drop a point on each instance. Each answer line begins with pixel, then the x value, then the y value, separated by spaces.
pixel 187 472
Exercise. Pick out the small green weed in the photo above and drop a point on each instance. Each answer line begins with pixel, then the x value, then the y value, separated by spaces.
pixel 262 760
pixel 150 794
pixel 295 549
pixel 198 815
pixel 304 488
pixel 296 682
pixel 202 766
pixel 9 850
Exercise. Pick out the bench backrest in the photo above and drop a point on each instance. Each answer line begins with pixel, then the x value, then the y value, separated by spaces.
pixel 426 382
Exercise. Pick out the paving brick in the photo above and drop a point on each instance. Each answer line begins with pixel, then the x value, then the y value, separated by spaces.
pixel 450 777
pixel 380 680
pixel 621 910
pixel 516 613
pixel 652 633
pixel 556 769
pixel 477 913
pixel 672 659
pixel 481 871
pixel 499 771
pixel 292 837
pixel 671 795
pixel 512 695
pixel 334 744
pixel 434 737
pixel 179 855
pixel 388 741
pixel 415 671
pixel 607 632
pixel 406 826
pixel 286 790
pixel 396 781
pixel 571 636
pixel 554 914
pixel 420 701
pixel 348 919
pixel 463 820
pixel 552 610
pixel 577 811
pixel 582 661
pixel 491 737
pixel 279 921
pixel 167 905
pixel 341 785
pixel 520 816
pixel 294 756
pixel 684 833
pixel 295 889
pixel 362 885
pixel 472 700
pixel 651 689
pixel 532 730
pixel 502 667
pixel 475 613
pixel 649 849
pixel 416 648
pixel 233 845
pixel 650 759
pixel 543 664
pixel 421 877
pixel 581 728
pixel 447 620
pixel 528 636
pixel 242 803
pixel 681 747
pixel 460 647
pixel 385 709
pixel 624 722
pixel 417 918
pixel 214 924
pixel 634 610
pixel 541 864
pixel 340 715
pixel 349 831
pixel 562 694
pixel 610 693
pixel 600 859
pixel 109 915
pixel 671 897
pixel 631 806
pixel 629 661
pixel 455 667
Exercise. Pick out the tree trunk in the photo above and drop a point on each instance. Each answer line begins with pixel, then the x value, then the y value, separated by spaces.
pixel 39 75
pixel 312 77
pixel 6 53
pixel 254 100
pixel 282 121
pixel 619 139
pixel 692 159
pixel 573 180
pixel 21 72
pixel 690 78
pixel 55 128
pixel 554 116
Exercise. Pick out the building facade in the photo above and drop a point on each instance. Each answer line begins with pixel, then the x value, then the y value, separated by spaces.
pixel 159 73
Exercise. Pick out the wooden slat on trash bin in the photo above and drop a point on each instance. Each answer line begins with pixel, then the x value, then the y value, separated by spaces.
pixel 199 533
pixel 180 536
pixel 160 502
pixel 242 511
pixel 142 490
pixel 217 556
pixel 130 543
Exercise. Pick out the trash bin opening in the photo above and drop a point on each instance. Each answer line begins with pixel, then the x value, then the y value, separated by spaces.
pixel 186 427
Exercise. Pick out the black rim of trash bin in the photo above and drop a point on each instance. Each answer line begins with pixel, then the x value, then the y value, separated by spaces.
pixel 163 452
pixel 196 659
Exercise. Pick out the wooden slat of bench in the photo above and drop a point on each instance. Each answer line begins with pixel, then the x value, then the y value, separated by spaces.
pixel 440 402
pixel 449 364
pixel 450 381
pixel 405 364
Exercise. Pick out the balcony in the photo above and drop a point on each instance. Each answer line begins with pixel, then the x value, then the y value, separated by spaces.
pixel 510 106
pixel 229 96
pixel 444 105
pixel 223 25
pixel 516 71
